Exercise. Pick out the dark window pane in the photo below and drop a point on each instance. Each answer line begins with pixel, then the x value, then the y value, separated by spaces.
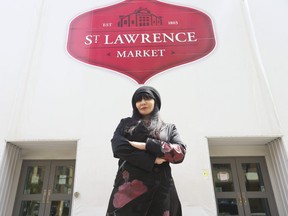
pixel 227 207
pixel 259 206
pixel 253 177
pixel 60 208
pixel 30 208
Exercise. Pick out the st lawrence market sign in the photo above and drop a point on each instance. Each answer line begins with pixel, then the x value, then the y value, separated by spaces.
pixel 140 38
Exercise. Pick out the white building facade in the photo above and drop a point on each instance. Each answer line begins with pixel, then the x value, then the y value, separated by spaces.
pixel 58 114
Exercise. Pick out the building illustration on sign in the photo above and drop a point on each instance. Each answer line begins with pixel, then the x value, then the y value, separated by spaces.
pixel 140 17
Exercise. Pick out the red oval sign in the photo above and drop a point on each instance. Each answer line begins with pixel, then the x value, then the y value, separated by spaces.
pixel 140 38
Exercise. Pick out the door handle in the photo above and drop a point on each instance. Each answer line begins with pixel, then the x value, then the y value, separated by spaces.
pixel 239 199
pixel 44 195
pixel 48 196
pixel 244 198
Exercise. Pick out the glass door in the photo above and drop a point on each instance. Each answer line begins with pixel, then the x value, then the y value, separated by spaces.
pixel 242 187
pixel 58 202
pixel 226 187
pixel 45 188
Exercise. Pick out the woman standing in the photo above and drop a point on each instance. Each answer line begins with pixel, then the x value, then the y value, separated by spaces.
pixel 145 146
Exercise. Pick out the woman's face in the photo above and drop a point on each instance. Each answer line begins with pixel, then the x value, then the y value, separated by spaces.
pixel 145 106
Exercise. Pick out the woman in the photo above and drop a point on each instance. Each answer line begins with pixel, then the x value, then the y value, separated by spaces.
pixel 145 146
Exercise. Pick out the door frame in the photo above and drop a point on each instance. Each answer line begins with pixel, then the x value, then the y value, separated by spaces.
pixel 255 146
pixel 31 149
pixel 20 196
pixel 240 194
pixel 232 194
pixel 50 195
pixel 46 197
pixel 268 188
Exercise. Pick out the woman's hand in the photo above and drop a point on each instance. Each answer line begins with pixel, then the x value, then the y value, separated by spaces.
pixel 159 160
pixel 142 146
pixel 138 145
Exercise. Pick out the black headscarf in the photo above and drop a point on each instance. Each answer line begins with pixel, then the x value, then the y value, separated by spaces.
pixel 146 90
pixel 138 128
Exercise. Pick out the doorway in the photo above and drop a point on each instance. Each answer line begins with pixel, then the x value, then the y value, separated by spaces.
pixel 242 187
pixel 45 188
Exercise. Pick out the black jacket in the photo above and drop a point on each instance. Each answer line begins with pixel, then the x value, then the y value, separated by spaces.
pixel 155 185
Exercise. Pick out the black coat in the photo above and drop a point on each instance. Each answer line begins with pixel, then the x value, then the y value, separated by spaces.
pixel 141 187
